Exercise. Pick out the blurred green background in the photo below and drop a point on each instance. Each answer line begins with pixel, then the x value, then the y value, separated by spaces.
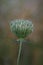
pixel 32 49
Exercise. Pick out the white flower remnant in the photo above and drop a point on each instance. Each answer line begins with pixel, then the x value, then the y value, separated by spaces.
pixel 21 27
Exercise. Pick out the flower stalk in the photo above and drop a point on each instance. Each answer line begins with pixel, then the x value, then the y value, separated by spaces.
pixel 19 53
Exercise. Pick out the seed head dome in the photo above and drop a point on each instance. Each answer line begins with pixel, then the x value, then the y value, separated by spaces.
pixel 21 27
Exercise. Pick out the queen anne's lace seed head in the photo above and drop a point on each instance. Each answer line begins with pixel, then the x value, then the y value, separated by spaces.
pixel 21 27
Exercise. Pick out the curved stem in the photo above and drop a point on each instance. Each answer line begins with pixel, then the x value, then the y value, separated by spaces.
pixel 20 47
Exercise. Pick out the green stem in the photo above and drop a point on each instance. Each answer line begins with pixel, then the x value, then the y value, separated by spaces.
pixel 20 47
